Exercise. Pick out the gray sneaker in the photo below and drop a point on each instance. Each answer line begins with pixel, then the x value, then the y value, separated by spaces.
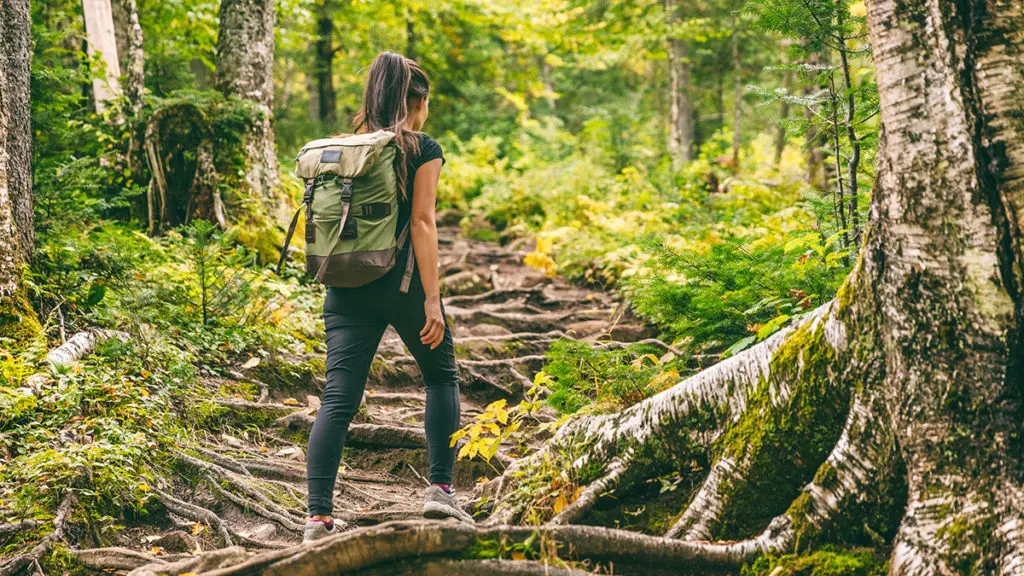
pixel 438 505
pixel 314 531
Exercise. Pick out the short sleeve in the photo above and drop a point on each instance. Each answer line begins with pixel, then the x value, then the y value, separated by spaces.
pixel 429 150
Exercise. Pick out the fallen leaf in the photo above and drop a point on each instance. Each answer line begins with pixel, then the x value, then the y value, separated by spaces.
pixel 251 362
pixel 290 402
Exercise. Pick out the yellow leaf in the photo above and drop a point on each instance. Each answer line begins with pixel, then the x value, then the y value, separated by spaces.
pixel 144 487
pixel 517 555
pixel 560 503
pixel 156 550
pixel 465 450
pixel 290 402
pixel 198 528
pixel 576 494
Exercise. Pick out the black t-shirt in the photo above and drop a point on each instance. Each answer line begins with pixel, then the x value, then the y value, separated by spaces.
pixel 429 150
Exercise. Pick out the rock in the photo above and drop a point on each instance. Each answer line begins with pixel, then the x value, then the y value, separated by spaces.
pixel 486 330
pixel 631 332
pixel 466 282
pixel 292 453
pixel 232 441
pixel 262 532
pixel 313 402
pixel 586 328
pixel 176 541
pixel 449 217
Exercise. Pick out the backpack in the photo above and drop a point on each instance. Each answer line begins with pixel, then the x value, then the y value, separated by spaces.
pixel 351 203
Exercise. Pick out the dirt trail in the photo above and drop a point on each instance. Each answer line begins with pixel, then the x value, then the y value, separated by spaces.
pixel 249 487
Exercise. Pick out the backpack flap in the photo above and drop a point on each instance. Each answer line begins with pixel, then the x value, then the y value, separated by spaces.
pixel 345 157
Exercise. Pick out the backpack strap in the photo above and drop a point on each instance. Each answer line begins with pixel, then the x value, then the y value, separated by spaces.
pixel 410 261
pixel 307 202
pixel 346 204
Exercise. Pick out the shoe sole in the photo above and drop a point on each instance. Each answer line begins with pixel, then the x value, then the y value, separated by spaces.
pixel 438 511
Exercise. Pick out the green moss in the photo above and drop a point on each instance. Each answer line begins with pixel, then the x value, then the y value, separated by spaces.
pixel 824 562
pixel 18 320
pixel 786 443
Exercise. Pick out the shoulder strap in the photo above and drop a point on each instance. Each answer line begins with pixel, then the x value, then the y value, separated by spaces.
pixel 307 201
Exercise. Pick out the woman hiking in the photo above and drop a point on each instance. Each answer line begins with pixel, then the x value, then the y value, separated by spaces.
pixel 396 99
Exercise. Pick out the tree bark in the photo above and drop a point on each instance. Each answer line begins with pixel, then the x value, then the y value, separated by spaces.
pixel 245 63
pixel 680 142
pixel 780 131
pixel 126 25
pixel 99 27
pixel 737 92
pixel 16 219
pixel 326 100
pixel 817 175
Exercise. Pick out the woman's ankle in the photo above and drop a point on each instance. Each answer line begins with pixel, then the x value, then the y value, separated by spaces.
pixel 325 519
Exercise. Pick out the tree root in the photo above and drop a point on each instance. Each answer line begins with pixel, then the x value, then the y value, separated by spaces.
pixel 707 506
pixel 258 500
pixel 449 567
pixel 195 564
pixel 588 497
pixel 116 558
pixel 285 521
pixel 385 544
pixel 13 527
pixel 60 520
pixel 196 514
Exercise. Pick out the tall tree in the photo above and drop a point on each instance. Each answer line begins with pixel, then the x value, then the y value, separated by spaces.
pixel 99 28
pixel 245 63
pixel 17 237
pixel 16 219
pixel 680 142
pixel 324 58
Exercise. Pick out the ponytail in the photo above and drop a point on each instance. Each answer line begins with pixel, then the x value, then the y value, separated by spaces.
pixel 392 81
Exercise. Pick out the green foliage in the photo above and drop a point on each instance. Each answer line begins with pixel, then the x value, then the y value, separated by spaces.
pixel 827 561
pixel 611 379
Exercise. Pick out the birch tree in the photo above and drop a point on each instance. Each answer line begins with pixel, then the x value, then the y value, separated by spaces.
pixel 907 387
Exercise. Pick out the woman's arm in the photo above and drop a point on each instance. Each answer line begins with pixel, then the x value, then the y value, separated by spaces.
pixel 424 242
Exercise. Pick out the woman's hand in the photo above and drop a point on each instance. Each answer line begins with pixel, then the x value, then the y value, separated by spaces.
pixel 433 331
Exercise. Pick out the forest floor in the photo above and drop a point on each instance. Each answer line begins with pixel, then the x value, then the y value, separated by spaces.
pixel 242 483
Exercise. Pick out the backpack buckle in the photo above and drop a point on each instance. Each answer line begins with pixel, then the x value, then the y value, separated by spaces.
pixel 346 190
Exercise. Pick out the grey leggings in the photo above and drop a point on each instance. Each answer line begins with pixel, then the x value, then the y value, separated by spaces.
pixel 355 320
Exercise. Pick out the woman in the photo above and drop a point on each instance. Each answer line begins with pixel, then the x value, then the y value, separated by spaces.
pixel 396 99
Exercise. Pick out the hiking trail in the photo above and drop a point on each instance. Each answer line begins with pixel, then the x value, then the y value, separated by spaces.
pixel 247 490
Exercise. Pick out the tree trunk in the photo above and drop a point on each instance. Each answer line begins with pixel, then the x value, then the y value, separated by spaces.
pixel 129 50
pixel 245 64
pixel 817 175
pixel 922 351
pixel 16 218
pixel 851 136
pixel 680 142
pixel 737 93
pixel 780 131
pixel 18 320
pixel 326 100
pixel 99 27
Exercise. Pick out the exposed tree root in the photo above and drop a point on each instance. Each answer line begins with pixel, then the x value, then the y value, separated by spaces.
pixel 707 506
pixel 449 567
pixel 383 545
pixel 14 527
pixel 18 563
pixel 116 558
pixel 615 470
pixel 196 514
pixel 195 565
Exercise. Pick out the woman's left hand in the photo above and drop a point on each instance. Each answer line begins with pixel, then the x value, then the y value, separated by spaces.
pixel 433 331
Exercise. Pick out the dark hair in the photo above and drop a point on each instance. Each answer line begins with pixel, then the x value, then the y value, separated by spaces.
pixel 393 81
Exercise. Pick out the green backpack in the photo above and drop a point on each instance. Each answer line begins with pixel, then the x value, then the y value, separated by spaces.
pixel 351 204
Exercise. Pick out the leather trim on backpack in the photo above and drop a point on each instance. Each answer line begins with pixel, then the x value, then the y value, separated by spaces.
pixel 352 269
